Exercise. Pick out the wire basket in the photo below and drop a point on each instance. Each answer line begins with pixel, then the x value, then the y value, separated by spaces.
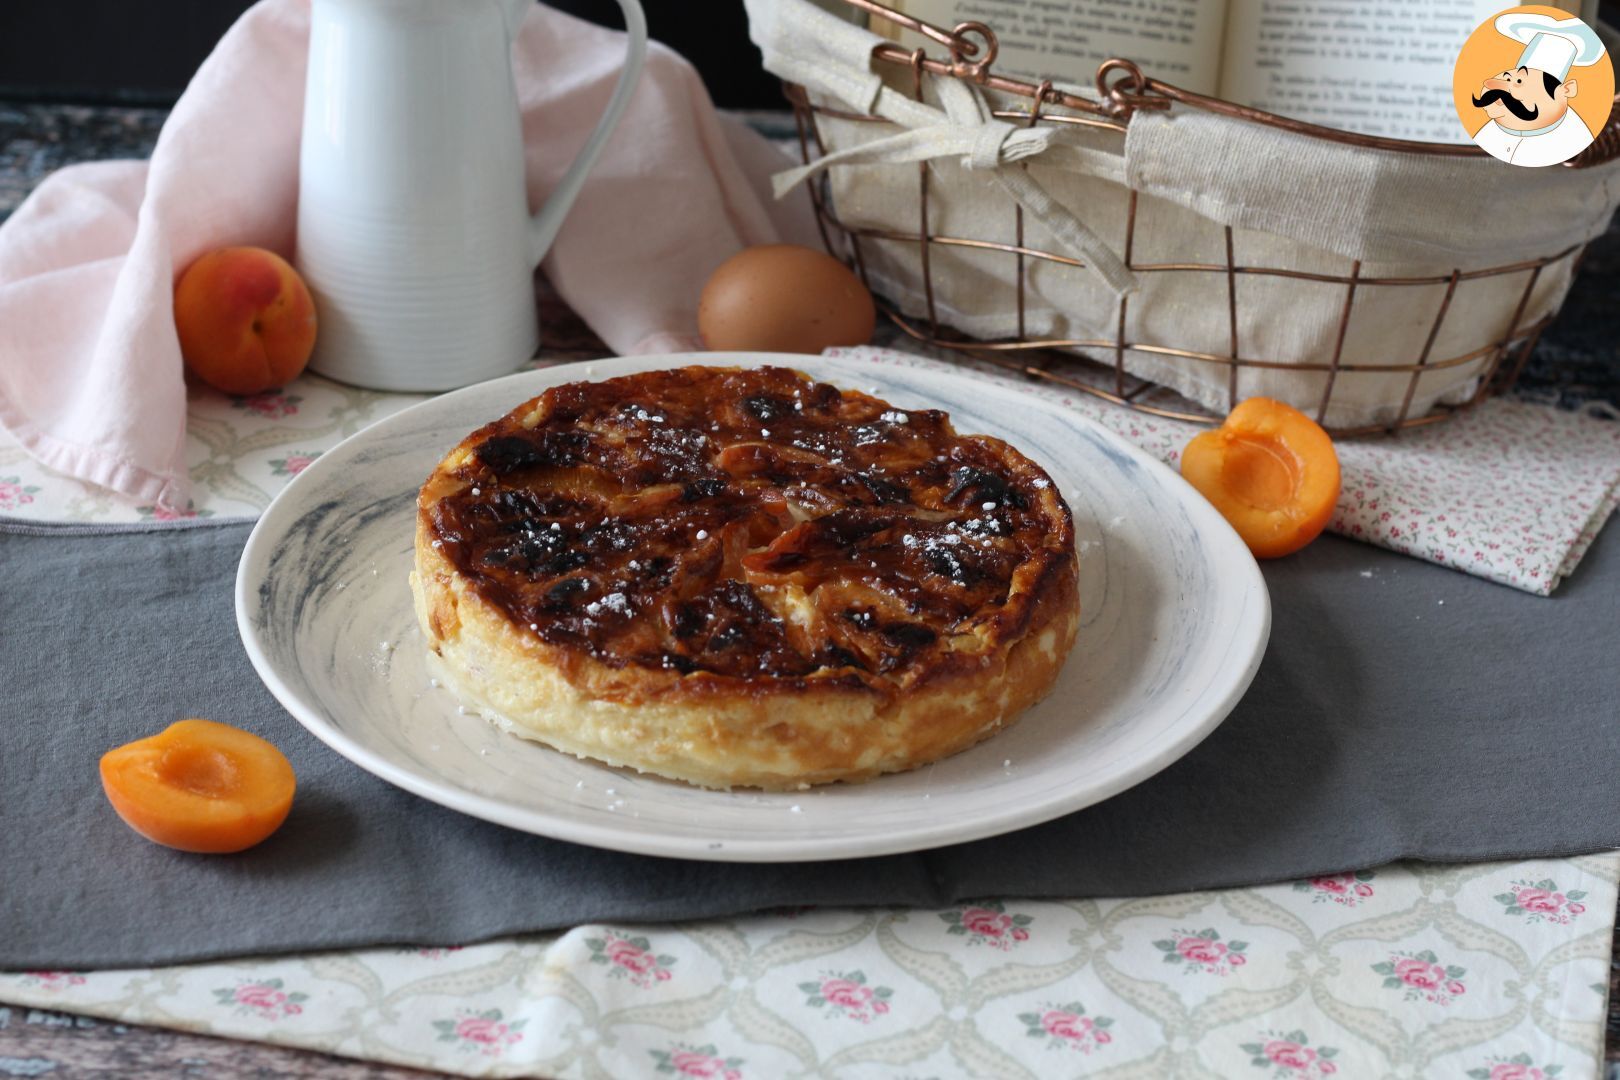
pixel 1123 90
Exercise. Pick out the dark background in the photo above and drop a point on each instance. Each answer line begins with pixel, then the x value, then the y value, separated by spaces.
pixel 144 51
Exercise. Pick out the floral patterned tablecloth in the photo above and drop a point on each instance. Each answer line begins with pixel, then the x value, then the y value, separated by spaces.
pixel 1495 971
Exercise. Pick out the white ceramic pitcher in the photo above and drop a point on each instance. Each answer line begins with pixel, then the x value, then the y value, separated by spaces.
pixel 413 227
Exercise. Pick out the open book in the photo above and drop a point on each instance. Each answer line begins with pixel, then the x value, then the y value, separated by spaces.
pixel 1380 67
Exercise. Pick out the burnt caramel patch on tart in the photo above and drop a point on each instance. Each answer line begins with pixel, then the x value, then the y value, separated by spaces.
pixel 752 524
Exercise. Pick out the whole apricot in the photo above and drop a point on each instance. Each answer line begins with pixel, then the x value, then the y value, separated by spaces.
pixel 200 786
pixel 245 318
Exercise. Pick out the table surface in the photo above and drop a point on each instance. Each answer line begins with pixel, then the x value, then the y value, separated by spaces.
pixel 1576 362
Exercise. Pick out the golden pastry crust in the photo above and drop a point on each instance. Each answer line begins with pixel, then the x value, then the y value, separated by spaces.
pixel 741 577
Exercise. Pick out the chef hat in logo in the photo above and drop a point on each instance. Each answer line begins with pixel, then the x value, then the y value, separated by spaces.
pixel 1551 45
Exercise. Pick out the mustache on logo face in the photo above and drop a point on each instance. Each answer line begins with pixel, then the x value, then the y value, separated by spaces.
pixel 1514 105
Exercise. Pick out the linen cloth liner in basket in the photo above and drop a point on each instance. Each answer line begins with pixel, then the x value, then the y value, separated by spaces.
pixel 1293 202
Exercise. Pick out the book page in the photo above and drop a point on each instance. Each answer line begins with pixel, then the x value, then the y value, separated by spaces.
pixel 1178 41
pixel 1379 68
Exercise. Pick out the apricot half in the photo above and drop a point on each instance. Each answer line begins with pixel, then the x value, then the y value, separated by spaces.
pixel 1271 471
pixel 200 786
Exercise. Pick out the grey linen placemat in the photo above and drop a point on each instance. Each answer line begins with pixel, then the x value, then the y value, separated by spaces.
pixel 1402 710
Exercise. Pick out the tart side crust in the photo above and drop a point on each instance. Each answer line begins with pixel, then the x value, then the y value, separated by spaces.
pixel 700 729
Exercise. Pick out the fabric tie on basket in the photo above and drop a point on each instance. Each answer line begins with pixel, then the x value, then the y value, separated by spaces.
pixel 91 378
pixel 965 129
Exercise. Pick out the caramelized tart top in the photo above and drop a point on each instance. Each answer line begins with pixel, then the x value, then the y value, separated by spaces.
pixel 751 524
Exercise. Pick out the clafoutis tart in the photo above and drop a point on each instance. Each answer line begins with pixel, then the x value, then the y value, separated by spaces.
pixel 743 577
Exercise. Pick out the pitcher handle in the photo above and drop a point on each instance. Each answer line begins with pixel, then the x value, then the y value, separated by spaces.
pixel 545 224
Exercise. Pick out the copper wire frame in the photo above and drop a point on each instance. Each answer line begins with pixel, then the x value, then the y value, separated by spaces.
pixel 972 48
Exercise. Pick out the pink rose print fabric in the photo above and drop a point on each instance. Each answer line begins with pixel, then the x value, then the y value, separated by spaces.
pixel 1517 1067
pixel 1202 951
pixel 1542 901
pixel 292 464
pixel 1067 1027
pixel 164 513
pixel 1289 1054
pixel 1510 491
pixel 266 1000
pixel 14 493
pixel 630 958
pixel 1421 977
pixel 52 980
pixel 634 960
pixel 700 1061
pixel 487 1033
pixel 988 923
pixel 438 952
pixel 272 404
pixel 1346 890
pixel 846 994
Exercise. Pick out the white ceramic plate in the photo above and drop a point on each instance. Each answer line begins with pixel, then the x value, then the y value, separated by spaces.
pixel 1175 619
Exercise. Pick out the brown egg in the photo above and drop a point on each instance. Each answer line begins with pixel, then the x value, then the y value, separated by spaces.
pixel 784 298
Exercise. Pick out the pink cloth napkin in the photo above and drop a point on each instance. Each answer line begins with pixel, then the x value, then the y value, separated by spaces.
pixel 91 380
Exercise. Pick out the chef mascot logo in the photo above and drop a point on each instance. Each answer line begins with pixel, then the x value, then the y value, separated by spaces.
pixel 1533 86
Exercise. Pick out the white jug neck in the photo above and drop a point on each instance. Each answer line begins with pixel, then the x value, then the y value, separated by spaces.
pixel 510 12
